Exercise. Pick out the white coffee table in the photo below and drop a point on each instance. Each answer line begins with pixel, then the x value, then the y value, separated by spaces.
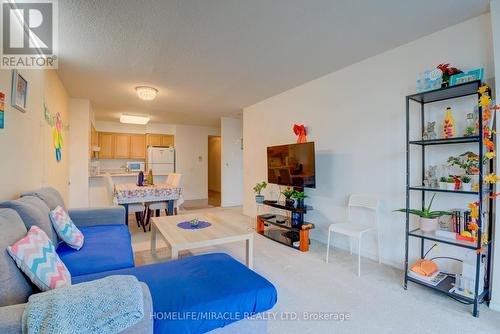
pixel 220 232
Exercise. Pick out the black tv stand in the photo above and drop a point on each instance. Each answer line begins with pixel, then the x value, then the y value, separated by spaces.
pixel 283 229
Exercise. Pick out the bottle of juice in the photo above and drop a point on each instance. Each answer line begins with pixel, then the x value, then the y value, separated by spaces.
pixel 150 177
pixel 448 125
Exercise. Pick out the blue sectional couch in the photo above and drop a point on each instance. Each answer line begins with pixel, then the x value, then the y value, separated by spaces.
pixel 191 295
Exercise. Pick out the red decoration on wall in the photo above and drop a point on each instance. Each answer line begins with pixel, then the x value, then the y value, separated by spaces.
pixel 300 131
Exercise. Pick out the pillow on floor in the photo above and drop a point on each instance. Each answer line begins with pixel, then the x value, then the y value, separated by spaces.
pixel 65 228
pixel 36 256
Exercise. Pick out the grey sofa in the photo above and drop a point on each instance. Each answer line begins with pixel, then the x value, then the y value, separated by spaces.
pixel 15 288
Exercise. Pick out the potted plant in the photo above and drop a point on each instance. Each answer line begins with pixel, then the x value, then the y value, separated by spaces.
pixel 442 183
pixel 257 189
pixel 466 182
pixel 299 196
pixel 288 193
pixel 428 219
pixel 450 183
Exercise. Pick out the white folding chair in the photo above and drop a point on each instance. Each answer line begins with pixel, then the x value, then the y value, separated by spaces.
pixel 355 229
pixel 174 180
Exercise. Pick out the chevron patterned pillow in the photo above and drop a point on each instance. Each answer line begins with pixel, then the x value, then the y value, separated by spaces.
pixel 36 256
pixel 65 228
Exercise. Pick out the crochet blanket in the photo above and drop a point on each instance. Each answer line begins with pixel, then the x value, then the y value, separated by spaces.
pixel 107 305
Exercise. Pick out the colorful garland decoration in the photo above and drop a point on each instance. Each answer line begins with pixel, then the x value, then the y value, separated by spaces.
pixel 487 105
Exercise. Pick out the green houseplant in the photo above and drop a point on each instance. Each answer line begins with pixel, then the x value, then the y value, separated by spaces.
pixel 442 183
pixel 428 219
pixel 466 182
pixel 288 193
pixel 257 189
pixel 299 197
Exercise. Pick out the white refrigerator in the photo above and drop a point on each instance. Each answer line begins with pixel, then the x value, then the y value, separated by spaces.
pixel 161 160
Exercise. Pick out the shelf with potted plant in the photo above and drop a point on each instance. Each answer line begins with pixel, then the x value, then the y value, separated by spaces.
pixel 478 168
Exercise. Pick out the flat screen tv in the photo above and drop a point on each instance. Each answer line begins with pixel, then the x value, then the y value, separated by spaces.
pixel 292 165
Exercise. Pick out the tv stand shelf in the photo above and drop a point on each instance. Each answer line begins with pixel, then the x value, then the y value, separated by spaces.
pixel 284 229
pixel 282 205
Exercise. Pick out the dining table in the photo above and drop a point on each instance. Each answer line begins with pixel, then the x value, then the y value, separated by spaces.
pixel 131 193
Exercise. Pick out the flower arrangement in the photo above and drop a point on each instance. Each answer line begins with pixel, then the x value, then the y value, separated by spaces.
pixel 467 161
pixel 447 73
pixel 487 105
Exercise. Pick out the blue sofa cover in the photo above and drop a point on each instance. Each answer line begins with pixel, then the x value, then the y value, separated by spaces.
pixel 200 293
pixel 105 248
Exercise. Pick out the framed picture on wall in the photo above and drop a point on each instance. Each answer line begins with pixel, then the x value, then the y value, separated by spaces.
pixel 19 91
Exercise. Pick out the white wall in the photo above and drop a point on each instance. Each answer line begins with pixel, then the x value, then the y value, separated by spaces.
pixel 191 149
pixel 232 162
pixel 356 117
pixel 80 118
pixel 495 289
pixel 26 144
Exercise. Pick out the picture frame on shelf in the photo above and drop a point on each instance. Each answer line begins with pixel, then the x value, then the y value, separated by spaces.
pixel 19 95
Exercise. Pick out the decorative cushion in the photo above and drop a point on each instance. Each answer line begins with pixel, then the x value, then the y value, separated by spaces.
pixel 33 211
pixel 15 288
pixel 49 195
pixel 65 228
pixel 36 256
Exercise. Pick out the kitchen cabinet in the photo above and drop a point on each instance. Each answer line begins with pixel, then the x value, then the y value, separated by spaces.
pixel 138 147
pixel 153 139
pixel 129 146
pixel 92 141
pixel 106 145
pixel 121 146
pixel 167 140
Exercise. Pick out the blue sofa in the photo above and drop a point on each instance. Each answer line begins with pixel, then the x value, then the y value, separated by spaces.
pixel 192 295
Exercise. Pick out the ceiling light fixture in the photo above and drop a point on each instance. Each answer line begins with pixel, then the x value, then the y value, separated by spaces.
pixel 146 93
pixel 131 119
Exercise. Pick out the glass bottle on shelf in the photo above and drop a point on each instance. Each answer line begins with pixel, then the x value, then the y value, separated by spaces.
pixel 448 125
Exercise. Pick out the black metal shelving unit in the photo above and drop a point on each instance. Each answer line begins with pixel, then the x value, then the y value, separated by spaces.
pixel 442 94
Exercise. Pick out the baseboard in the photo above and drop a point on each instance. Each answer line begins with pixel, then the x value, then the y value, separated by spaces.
pixel 495 306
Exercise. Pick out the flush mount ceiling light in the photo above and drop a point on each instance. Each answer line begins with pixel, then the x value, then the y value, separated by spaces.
pixel 146 93
pixel 131 119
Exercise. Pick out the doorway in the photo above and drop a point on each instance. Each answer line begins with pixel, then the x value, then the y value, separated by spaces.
pixel 214 170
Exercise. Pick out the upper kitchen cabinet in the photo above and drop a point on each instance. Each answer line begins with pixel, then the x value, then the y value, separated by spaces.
pixel 159 140
pixel 153 140
pixel 167 140
pixel 138 147
pixel 121 147
pixel 106 145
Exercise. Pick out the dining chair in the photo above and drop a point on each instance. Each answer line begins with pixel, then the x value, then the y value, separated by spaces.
pixel 137 208
pixel 356 230
pixel 174 180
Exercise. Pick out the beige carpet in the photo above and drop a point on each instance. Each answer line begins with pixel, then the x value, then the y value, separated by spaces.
pixel 375 302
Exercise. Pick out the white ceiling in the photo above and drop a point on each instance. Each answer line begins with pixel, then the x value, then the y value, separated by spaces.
pixel 212 58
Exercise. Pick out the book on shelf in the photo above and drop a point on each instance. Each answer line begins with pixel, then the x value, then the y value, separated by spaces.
pixel 433 280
